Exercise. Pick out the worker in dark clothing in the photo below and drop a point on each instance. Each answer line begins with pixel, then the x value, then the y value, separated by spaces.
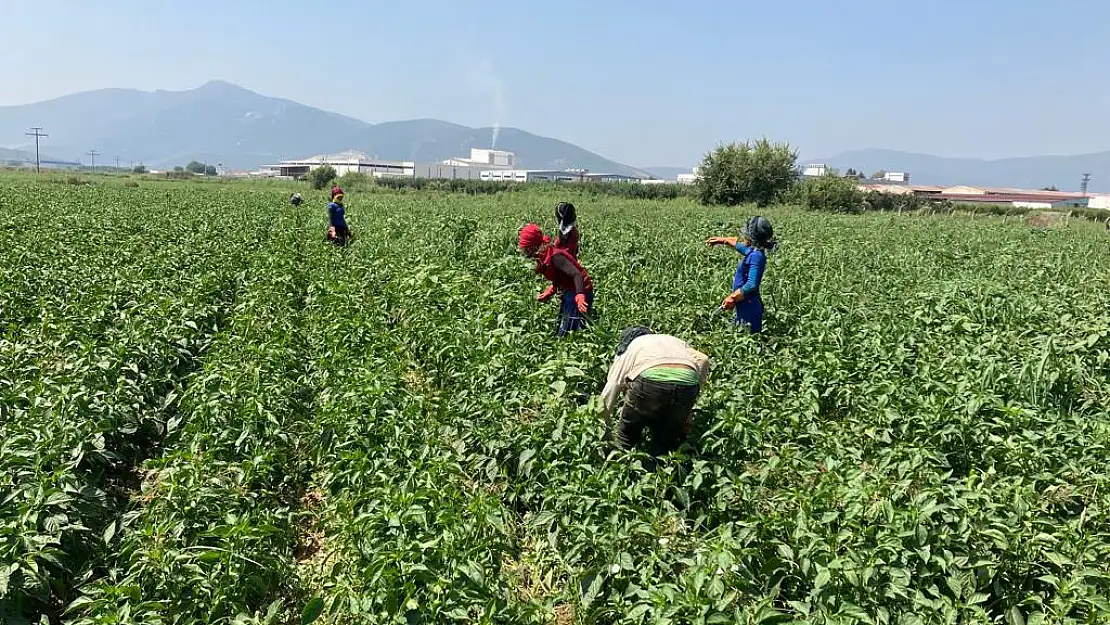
pixel 755 241
pixel 661 376
pixel 295 199
pixel 568 227
pixel 338 232
pixel 567 276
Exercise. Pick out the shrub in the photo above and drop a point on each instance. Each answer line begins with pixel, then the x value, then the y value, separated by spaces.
pixel 737 173
pixel 322 176
pixel 354 181
pixel 832 194
pixel 892 202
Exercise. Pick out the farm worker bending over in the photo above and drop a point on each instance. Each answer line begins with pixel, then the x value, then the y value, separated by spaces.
pixel 568 227
pixel 338 232
pixel 756 239
pixel 566 275
pixel 661 376
pixel 295 199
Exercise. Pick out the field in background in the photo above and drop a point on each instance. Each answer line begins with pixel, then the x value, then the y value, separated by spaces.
pixel 211 416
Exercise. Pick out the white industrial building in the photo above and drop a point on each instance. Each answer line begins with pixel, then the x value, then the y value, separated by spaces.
pixel 1098 200
pixel 553 175
pixel 359 162
pixel 481 165
pixel 815 170
pixel 485 159
pixel 690 178
pixel 895 176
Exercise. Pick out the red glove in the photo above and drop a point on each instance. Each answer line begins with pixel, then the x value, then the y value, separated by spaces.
pixel 580 299
pixel 730 241
pixel 547 293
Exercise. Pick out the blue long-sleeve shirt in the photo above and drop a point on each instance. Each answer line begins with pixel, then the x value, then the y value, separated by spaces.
pixel 336 216
pixel 749 273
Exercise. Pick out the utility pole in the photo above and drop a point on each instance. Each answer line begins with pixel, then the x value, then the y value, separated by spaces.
pixel 117 164
pixel 37 133
pixel 92 153
pixel 1083 185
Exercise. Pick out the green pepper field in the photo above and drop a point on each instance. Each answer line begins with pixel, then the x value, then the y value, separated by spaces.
pixel 209 415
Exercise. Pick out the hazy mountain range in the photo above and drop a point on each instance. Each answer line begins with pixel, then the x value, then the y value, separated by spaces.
pixel 1032 172
pixel 223 123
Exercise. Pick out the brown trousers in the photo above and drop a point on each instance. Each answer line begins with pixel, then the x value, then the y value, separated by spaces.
pixel 662 407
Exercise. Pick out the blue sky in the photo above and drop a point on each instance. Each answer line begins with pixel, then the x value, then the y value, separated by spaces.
pixel 646 83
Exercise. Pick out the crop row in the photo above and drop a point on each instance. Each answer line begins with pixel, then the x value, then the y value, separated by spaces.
pixel 214 524
pixel 96 342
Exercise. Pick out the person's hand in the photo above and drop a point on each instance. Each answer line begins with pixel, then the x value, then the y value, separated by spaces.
pixel 547 293
pixel 583 306
pixel 721 241
pixel 732 299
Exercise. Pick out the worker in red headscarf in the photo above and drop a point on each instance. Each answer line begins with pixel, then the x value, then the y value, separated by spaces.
pixel 338 232
pixel 566 275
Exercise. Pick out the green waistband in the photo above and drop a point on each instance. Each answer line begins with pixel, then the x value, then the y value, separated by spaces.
pixel 674 375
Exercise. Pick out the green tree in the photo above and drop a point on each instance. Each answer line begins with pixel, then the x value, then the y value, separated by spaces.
pixel 321 176
pixel 833 194
pixel 139 169
pixel 878 175
pixel 179 169
pixel 1050 188
pixel 195 167
pixel 210 170
pixel 757 172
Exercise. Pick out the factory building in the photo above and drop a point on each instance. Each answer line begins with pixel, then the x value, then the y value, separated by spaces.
pixel 482 164
pixel 690 178
pixel 485 159
pixel 553 175
pixel 359 162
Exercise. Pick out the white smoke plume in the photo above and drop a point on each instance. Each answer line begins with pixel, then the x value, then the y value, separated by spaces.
pixel 498 111
pixel 487 82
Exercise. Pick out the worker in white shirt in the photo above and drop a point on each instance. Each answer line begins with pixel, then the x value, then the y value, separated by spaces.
pixel 661 376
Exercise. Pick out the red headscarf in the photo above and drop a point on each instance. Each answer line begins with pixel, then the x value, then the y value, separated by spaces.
pixel 532 236
pixel 336 191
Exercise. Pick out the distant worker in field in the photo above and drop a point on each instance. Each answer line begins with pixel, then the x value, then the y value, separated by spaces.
pixel 567 276
pixel 295 199
pixel 568 227
pixel 338 232
pixel 661 377
pixel 757 238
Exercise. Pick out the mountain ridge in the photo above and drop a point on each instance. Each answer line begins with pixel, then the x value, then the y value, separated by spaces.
pixel 220 122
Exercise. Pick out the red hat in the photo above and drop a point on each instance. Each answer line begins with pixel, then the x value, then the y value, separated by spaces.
pixel 531 236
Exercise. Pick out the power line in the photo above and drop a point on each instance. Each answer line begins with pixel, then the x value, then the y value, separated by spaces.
pixel 92 153
pixel 36 132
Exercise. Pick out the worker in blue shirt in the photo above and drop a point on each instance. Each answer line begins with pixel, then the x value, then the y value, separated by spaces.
pixel 338 232
pixel 755 241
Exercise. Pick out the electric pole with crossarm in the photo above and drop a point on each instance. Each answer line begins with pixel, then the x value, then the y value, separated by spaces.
pixel 37 133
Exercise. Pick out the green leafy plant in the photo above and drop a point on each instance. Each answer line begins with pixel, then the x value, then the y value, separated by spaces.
pixel 243 425
pixel 320 177
pixel 737 173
